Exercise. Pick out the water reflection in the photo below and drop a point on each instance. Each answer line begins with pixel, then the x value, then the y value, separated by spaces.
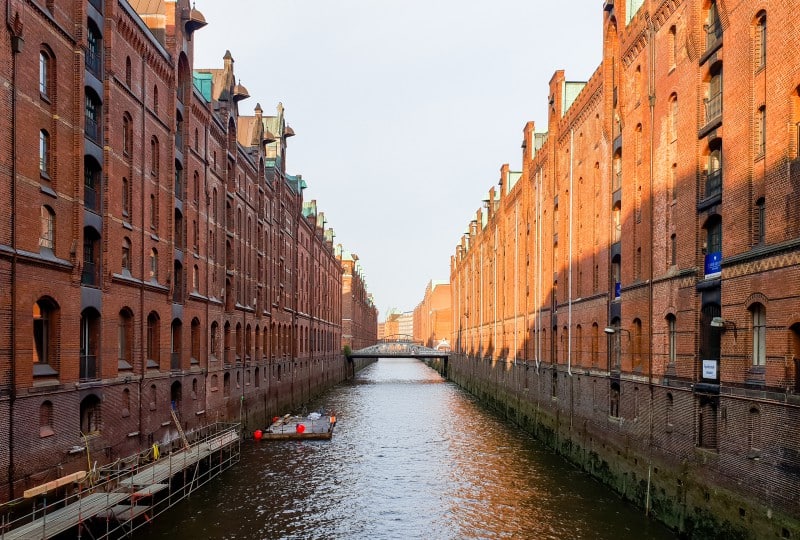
pixel 412 457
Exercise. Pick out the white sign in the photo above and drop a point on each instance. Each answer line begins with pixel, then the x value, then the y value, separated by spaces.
pixel 710 369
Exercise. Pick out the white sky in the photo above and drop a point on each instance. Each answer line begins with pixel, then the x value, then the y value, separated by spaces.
pixel 404 110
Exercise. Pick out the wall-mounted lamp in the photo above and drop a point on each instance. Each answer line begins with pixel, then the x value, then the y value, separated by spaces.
pixel 610 330
pixel 718 322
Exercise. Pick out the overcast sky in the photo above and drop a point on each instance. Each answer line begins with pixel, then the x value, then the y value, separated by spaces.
pixel 404 110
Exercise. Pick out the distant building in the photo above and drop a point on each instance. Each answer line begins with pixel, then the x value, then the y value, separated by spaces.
pixel 359 314
pixel 433 316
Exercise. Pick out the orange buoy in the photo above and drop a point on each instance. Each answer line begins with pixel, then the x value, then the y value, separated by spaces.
pixel 257 435
pixel 301 428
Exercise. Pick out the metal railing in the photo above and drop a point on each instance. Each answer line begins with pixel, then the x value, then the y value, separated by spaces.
pixel 94 62
pixel 90 274
pixel 713 107
pixel 90 199
pixel 92 129
pixel 713 183
pixel 713 34
pixel 88 367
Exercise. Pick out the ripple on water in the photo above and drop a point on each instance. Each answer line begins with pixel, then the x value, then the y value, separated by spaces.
pixel 412 457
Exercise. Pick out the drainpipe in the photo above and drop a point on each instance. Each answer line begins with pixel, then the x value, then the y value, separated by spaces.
pixel 494 288
pixel 516 273
pixel 16 48
pixel 142 316
pixel 652 102
pixel 539 271
pixel 569 272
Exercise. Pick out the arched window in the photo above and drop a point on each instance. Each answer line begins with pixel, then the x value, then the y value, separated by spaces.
pixel 126 256
pixel 759 221
pixel 89 344
pixel 44 153
pixel 638 344
pixel 761 131
pixel 673 47
pixel 90 414
pixel 47 233
pixel 712 27
pixel 673 117
pixel 125 339
pixel 93 113
pixel 45 73
pixel 126 403
pixel 92 185
pixel 760 40
pixel 153 264
pixel 176 344
pixel 127 135
pixel 673 249
pixel 45 340
pixel 46 419
pixel 214 340
pixel 195 337
pixel 128 72
pixel 153 341
pixel 94 50
pixel 90 274
pixel 758 315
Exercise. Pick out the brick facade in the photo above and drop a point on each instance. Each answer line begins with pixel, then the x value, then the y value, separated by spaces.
pixel 359 314
pixel 642 266
pixel 155 251
pixel 433 317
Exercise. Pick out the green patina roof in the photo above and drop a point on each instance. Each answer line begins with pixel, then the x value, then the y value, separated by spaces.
pixel 203 83
pixel 571 91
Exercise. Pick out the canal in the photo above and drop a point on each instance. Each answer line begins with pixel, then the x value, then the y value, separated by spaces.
pixel 413 456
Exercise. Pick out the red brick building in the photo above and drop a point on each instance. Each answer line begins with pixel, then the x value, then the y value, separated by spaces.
pixel 154 253
pixel 359 314
pixel 640 275
pixel 433 316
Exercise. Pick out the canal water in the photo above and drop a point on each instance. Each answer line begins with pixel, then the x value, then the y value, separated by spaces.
pixel 412 456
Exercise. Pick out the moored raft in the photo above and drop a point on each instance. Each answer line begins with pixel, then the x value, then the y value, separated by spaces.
pixel 315 426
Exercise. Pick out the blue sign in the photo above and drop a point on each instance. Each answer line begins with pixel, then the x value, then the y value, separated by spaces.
pixel 713 264
pixel 617 289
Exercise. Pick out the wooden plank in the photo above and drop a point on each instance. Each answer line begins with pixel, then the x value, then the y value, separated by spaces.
pixel 53 484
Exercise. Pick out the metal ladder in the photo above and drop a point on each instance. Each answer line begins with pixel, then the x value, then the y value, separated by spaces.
pixel 180 429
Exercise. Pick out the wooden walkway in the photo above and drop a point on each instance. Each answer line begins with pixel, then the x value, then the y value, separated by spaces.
pixel 67 517
pixel 121 503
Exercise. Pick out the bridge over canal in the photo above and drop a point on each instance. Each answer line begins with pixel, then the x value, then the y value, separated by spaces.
pixel 401 346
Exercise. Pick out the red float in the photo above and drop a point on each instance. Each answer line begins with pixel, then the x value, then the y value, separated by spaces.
pixel 300 428
pixel 257 435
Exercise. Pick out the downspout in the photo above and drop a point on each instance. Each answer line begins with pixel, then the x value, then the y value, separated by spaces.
pixel 209 267
pixel 16 48
pixel 539 272
pixel 516 274
pixel 652 103
pixel 569 272
pixel 494 293
pixel 142 317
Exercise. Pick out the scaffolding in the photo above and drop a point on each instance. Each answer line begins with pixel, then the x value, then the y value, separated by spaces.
pixel 115 501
